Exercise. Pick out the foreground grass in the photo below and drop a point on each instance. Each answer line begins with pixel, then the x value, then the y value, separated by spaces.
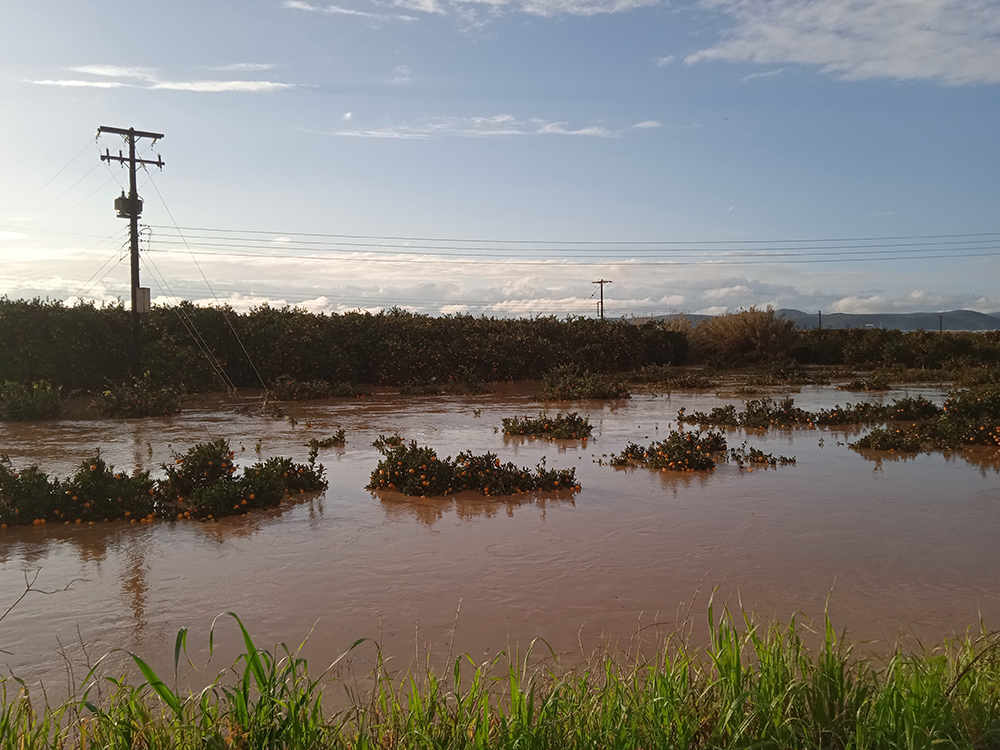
pixel 755 685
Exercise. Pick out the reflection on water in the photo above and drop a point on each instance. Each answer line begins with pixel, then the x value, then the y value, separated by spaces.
pixel 909 546
pixel 986 459
pixel 466 505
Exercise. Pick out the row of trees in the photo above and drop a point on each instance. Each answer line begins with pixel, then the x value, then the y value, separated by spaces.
pixel 85 346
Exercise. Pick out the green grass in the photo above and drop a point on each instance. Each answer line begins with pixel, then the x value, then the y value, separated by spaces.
pixel 754 685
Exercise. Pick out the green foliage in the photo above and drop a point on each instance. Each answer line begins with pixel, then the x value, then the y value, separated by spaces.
pixel 85 346
pixel 26 496
pixel 668 378
pixel 889 439
pixel 968 417
pixel 681 451
pixel 19 403
pixel 202 483
pixel 98 493
pixel 203 465
pixel 572 383
pixel 760 413
pixel 875 382
pixel 416 470
pixel 569 426
pixel 138 397
pixel 755 684
pixel 289 389
pixel 749 456
pixel 335 440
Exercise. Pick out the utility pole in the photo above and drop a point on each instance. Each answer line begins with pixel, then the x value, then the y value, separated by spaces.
pixel 602 282
pixel 129 207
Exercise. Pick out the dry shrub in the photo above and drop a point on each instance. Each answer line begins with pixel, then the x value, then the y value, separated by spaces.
pixel 745 337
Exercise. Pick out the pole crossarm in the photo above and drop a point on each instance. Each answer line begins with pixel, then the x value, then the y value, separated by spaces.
pixel 121 159
pixel 129 131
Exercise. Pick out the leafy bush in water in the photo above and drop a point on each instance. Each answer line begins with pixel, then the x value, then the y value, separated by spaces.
pixel 286 388
pixel 888 439
pixel 694 451
pixel 201 483
pixel 670 378
pixel 758 413
pixel 969 417
pixel 94 493
pixel 570 383
pixel 874 382
pixel 27 495
pixel 97 492
pixel 416 470
pixel 560 427
pixel 335 440
pixel 138 397
pixel 19 403
pixel 681 451
pixel 203 465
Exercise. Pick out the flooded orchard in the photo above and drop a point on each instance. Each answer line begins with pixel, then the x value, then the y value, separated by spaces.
pixel 895 546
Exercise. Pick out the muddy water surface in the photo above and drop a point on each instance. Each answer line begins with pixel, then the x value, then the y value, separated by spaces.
pixel 896 546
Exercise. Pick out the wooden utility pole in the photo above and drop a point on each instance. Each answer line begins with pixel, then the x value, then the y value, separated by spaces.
pixel 602 282
pixel 130 207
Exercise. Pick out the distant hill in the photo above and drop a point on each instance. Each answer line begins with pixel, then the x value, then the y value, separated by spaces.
pixel 955 320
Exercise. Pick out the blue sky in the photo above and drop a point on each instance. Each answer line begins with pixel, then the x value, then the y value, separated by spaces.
pixel 756 146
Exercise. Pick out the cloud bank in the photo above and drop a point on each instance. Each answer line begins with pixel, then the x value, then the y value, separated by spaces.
pixel 956 42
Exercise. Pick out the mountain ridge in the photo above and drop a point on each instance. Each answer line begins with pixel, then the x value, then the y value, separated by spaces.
pixel 953 320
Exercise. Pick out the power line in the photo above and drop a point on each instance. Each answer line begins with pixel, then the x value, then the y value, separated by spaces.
pixel 53 177
pixel 563 263
pixel 586 242
pixel 807 250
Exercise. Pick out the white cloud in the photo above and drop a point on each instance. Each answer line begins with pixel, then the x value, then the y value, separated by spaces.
pixel 467 9
pixel 582 7
pixel 148 79
pixel 117 71
pixel 245 67
pixel 480 127
pixel 402 74
pixel 220 86
pixel 648 124
pixel 953 41
pixel 560 128
pixel 727 292
pixel 425 6
pixel 662 61
pixel 339 10
pixel 347 116
pixel 8 235
pixel 83 84
pixel 766 74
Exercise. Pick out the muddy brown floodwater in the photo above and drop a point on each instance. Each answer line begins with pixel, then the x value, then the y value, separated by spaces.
pixel 897 547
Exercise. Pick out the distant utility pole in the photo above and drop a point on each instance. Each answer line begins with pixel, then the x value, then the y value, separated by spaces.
pixel 129 207
pixel 602 282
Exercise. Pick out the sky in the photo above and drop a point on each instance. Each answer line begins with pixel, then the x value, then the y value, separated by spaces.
pixel 497 157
